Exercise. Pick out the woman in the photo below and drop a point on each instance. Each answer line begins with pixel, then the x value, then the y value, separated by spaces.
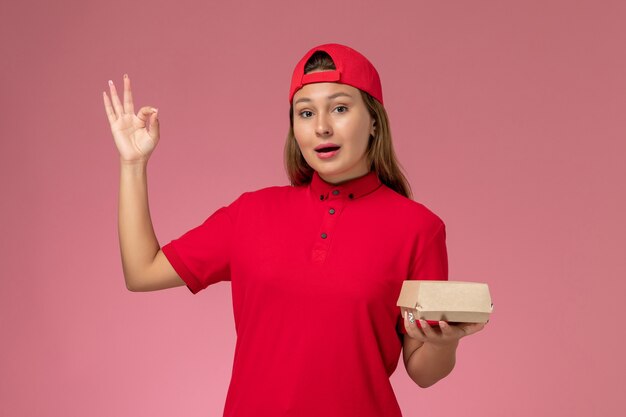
pixel 315 267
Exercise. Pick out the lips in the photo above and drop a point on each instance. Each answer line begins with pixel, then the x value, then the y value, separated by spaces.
pixel 327 147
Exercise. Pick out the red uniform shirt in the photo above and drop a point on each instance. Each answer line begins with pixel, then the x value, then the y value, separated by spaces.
pixel 315 273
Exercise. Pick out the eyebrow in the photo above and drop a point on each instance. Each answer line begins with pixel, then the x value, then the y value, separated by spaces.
pixel 328 98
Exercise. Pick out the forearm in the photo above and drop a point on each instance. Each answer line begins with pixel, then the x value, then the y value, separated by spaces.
pixel 138 243
pixel 431 363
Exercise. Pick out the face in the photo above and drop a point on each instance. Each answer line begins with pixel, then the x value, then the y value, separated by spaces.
pixel 333 116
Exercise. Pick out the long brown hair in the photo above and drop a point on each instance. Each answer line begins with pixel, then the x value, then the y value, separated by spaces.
pixel 380 151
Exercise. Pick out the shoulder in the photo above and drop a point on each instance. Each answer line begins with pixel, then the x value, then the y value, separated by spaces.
pixel 414 214
pixel 263 197
pixel 270 193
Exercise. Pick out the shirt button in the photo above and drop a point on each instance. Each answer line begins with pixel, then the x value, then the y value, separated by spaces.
pixel 335 192
pixel 351 196
pixel 322 197
pixel 331 211
pixel 324 235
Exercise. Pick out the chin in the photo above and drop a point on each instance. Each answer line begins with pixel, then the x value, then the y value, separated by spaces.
pixel 320 168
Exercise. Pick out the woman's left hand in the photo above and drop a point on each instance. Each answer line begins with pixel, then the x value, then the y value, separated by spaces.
pixel 447 334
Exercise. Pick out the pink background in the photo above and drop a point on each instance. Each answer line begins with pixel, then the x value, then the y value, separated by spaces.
pixel 508 117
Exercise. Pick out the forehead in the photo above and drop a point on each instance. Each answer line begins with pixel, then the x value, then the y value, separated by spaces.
pixel 320 91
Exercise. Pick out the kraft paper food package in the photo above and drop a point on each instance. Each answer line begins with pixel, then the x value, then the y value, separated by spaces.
pixel 451 301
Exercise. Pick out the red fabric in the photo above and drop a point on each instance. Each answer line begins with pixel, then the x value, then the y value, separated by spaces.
pixel 316 318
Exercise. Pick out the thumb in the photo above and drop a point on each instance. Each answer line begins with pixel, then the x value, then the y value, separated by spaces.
pixel 154 124
pixel 145 113
pixel 471 328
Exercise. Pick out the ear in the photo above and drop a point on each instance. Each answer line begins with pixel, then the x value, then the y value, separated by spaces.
pixel 373 127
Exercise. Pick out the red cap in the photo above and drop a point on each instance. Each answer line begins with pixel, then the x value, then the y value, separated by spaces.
pixel 352 68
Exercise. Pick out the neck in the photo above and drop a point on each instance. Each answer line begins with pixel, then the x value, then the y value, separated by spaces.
pixel 338 180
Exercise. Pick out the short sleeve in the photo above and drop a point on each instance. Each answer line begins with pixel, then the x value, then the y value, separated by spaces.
pixel 430 264
pixel 202 255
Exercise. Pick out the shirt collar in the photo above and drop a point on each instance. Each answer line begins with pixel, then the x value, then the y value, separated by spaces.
pixel 351 189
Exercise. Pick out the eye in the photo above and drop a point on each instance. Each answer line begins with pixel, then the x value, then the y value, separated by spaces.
pixel 342 107
pixel 302 114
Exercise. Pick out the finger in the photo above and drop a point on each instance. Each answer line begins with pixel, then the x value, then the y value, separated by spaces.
pixel 410 316
pixel 154 125
pixel 119 111
pixel 128 96
pixel 108 108
pixel 144 114
pixel 428 331
pixel 412 329
pixel 407 323
pixel 472 328
pixel 446 330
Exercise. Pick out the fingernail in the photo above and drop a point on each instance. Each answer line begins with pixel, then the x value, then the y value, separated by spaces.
pixel 125 75
pixel 110 83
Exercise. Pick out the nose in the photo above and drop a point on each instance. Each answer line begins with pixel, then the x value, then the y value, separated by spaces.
pixel 323 127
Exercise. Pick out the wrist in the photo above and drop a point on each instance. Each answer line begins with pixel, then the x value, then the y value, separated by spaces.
pixel 134 163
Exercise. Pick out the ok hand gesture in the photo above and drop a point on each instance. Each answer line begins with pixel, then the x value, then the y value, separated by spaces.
pixel 135 136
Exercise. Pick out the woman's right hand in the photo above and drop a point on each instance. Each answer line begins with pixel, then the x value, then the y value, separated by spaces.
pixel 135 136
